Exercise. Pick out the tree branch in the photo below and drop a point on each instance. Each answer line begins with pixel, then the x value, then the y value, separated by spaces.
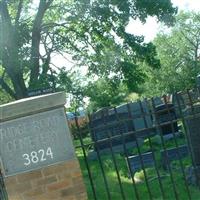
pixel 36 37
pixel 188 39
pixel 4 12
pixel 18 11
pixel 49 3
pixel 53 24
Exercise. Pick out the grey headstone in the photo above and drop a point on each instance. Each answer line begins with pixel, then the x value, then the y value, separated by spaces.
pixel 136 114
pixel 173 154
pixel 137 162
pixel 92 155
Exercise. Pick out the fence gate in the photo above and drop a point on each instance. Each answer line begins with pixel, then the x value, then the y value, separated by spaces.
pixel 3 193
pixel 142 150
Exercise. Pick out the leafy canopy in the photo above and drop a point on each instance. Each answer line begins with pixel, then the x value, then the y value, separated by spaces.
pixel 179 53
pixel 92 31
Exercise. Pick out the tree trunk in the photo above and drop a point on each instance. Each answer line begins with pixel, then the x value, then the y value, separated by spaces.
pixel 36 38
pixel 10 56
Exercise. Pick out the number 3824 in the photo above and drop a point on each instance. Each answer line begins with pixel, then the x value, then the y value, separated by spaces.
pixel 37 156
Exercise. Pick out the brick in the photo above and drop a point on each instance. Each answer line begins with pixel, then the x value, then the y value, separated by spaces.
pixel 44 181
pixel 11 181
pixel 67 192
pixel 61 168
pixel 20 188
pixel 33 193
pixel 77 180
pixel 29 176
pixel 76 173
pixel 64 175
pixel 54 169
pixel 49 196
pixel 82 196
pixel 72 165
pixel 79 189
pixel 58 182
pixel 72 197
pixel 15 197
pixel 59 185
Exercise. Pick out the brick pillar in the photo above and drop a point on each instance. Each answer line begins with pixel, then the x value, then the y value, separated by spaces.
pixel 193 126
pixel 58 182
pixel 37 156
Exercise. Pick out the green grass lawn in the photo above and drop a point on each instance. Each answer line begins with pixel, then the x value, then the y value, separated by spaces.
pixel 140 183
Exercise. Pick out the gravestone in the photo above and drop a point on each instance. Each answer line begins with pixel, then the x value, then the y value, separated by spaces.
pixel 173 154
pixel 37 152
pixel 192 118
pixel 136 163
pixel 108 129
pixel 158 101
pixel 108 123
pixel 139 118
pixel 185 99
pixel 166 118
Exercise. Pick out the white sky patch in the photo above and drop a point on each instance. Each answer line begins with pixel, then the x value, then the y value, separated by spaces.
pixel 150 29
pixel 64 60
pixel 187 5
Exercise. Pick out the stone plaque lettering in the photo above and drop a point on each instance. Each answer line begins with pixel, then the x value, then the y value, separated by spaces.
pixel 35 141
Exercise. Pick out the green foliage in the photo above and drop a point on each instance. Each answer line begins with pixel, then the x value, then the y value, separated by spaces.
pixel 178 52
pixel 105 93
pixel 74 84
pixel 83 130
pixel 91 31
pixel 4 98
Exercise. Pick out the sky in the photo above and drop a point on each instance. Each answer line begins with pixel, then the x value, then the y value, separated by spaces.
pixel 151 27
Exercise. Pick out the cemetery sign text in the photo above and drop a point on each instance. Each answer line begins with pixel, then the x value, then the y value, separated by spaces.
pixel 35 141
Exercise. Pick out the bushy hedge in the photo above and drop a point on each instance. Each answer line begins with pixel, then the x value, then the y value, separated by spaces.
pixel 82 131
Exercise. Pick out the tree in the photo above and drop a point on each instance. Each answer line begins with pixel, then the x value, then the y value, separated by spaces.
pixel 85 29
pixel 105 93
pixel 4 97
pixel 74 83
pixel 179 53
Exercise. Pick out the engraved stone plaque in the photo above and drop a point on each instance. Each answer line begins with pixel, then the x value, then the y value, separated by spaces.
pixel 35 141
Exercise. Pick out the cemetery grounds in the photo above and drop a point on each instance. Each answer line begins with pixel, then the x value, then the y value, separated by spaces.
pixel 140 183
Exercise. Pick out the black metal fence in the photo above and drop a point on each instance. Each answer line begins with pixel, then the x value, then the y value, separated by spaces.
pixel 148 149
pixel 3 193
